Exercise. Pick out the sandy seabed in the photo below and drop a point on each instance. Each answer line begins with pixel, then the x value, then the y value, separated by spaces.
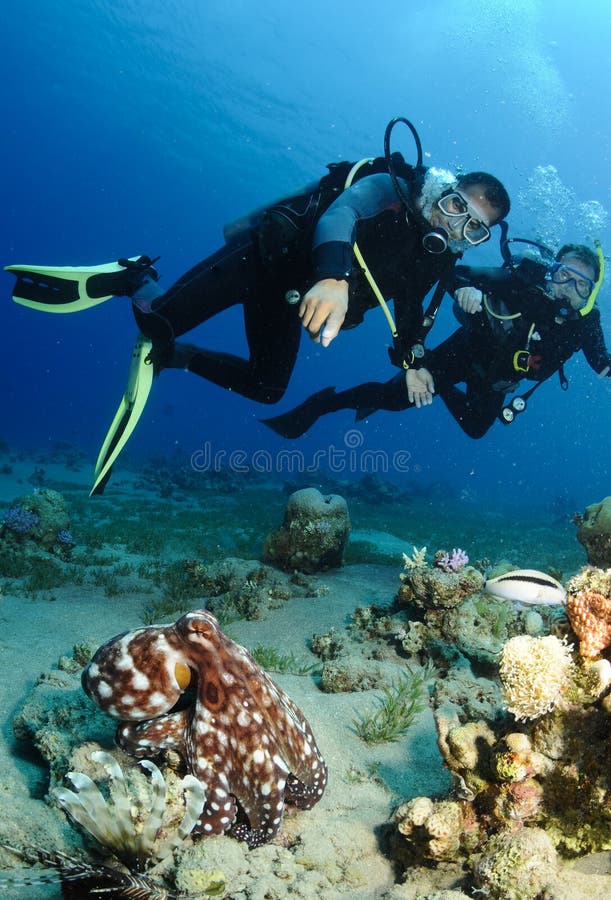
pixel 341 840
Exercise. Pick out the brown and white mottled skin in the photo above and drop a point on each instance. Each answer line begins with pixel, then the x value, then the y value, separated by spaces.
pixel 241 736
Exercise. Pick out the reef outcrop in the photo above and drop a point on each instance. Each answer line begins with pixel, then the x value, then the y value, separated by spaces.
pixel 526 795
pixel 595 533
pixel 529 747
pixel 36 523
pixel 313 534
pixel 442 585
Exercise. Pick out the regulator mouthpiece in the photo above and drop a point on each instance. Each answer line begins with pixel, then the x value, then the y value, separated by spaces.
pixel 435 241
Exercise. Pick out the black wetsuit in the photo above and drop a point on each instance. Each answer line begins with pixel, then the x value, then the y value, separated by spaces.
pixel 489 354
pixel 290 247
pixel 487 365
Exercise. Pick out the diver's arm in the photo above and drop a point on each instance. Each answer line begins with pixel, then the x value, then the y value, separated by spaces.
pixel 594 346
pixel 471 287
pixel 420 386
pixel 469 299
pixel 515 287
pixel 323 309
pixel 486 279
pixel 335 231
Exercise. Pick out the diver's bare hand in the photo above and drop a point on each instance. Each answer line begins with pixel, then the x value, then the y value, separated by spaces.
pixel 323 310
pixel 469 299
pixel 420 387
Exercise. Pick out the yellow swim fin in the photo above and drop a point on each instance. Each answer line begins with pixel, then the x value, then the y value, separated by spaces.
pixel 130 409
pixel 68 289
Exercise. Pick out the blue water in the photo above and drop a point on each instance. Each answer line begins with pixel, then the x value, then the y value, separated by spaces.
pixel 142 127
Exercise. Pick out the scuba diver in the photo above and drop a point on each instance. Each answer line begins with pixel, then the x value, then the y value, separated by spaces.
pixel 523 320
pixel 300 262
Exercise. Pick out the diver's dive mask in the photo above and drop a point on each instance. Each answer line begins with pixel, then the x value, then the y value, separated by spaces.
pixel 562 274
pixel 462 218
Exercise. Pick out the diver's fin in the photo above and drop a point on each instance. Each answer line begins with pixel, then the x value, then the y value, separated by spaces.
pixel 297 421
pixel 364 413
pixel 140 379
pixel 69 289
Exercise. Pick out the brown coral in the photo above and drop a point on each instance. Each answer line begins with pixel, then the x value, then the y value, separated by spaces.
pixel 516 802
pixel 436 830
pixel 590 616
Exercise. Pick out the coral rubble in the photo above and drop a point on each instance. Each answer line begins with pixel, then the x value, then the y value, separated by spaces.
pixel 41 519
pixel 443 585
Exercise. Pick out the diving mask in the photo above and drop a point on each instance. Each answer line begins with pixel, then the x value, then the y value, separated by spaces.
pixel 583 286
pixel 462 218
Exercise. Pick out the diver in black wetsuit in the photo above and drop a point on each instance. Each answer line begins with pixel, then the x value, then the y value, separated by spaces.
pixel 522 322
pixel 294 266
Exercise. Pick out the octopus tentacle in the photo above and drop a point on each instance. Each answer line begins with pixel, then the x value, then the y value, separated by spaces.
pixel 300 795
pixel 145 739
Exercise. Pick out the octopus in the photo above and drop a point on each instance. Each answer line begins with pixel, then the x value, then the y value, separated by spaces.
pixel 187 687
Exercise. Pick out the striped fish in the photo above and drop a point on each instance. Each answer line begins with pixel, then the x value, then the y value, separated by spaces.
pixel 527 586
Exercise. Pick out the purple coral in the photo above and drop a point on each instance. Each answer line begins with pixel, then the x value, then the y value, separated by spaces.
pixel 20 519
pixel 451 562
pixel 65 538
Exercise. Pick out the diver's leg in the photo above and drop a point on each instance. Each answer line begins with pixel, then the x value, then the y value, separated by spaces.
pixel 451 361
pixel 475 411
pixel 232 275
pixel 273 332
pixel 447 363
pixel 465 357
pixel 366 398
pixel 227 277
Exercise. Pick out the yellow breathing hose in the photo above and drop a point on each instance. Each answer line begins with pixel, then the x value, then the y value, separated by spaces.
pixel 359 256
pixel 497 315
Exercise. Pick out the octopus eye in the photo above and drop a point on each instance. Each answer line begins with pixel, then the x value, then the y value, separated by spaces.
pixel 182 674
pixel 202 630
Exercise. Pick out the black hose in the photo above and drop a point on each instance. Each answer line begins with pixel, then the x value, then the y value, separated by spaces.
pixel 401 193
pixel 506 241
